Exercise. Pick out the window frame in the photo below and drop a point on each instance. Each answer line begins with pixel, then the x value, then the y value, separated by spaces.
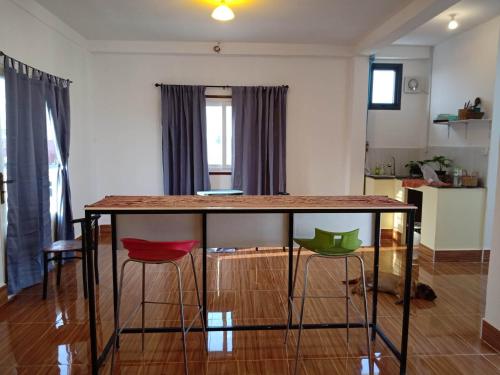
pixel 224 101
pixel 398 86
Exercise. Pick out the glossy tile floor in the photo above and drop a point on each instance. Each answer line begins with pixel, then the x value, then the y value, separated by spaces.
pixel 51 337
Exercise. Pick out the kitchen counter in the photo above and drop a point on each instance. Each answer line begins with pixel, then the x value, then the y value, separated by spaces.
pixel 452 217
pixel 401 178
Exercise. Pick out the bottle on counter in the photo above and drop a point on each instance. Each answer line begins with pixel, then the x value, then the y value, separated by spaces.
pixel 457 177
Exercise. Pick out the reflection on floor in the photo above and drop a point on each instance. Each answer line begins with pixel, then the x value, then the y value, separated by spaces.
pixel 51 337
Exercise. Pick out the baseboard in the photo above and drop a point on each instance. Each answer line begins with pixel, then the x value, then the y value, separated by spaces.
pixel 391 234
pixel 486 255
pixel 386 234
pixel 473 256
pixel 425 253
pixel 458 256
pixel 4 295
pixel 491 335
pixel 105 233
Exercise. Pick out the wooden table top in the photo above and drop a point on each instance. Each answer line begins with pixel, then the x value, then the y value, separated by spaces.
pixel 276 203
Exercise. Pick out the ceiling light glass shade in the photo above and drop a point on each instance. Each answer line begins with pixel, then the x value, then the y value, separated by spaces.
pixel 453 24
pixel 223 13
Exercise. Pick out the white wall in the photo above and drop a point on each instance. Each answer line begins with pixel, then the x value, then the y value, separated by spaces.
pixel 464 68
pixel 492 314
pixel 356 134
pixel 493 162
pixel 127 114
pixel 406 128
pixel 32 35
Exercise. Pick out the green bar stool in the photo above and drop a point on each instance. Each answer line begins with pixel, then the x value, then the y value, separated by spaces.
pixel 330 245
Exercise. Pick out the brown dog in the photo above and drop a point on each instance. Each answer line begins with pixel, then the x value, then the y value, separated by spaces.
pixel 393 284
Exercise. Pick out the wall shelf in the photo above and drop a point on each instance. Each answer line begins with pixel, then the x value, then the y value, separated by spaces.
pixel 464 122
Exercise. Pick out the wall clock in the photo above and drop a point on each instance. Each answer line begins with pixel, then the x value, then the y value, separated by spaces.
pixel 414 85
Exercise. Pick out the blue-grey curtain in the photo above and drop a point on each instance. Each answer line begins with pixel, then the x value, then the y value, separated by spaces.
pixel 29 227
pixel 58 105
pixel 184 140
pixel 259 157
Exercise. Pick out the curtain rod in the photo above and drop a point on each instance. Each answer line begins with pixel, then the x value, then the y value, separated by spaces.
pixel 209 86
pixel 29 66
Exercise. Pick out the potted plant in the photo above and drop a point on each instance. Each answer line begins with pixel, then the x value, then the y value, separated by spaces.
pixel 414 167
pixel 443 163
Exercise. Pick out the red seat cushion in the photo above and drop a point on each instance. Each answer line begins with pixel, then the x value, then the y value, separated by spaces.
pixel 156 251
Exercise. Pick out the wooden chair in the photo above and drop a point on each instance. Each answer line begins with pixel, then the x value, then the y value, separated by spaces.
pixel 57 251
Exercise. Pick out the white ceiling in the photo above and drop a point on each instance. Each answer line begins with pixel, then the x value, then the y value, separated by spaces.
pixel 469 13
pixel 339 22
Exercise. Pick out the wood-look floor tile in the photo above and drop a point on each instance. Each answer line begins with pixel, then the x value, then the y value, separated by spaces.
pixel 248 287
pixel 62 345
pixel 344 366
pixel 333 344
pixel 428 335
pixel 245 345
pixel 173 368
pixel 8 370
pixel 52 370
pixel 19 340
pixel 260 304
pixel 266 367
pixel 495 359
pixel 451 365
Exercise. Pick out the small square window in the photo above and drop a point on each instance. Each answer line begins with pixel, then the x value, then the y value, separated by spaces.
pixel 219 135
pixel 385 86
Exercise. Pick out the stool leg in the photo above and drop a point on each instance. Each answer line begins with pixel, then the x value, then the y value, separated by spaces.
pixel 84 272
pixel 95 248
pixel 117 318
pixel 181 310
pixel 347 295
pixel 200 308
pixel 301 319
pixel 365 303
pixel 293 292
pixel 143 304
pixel 45 274
pixel 96 266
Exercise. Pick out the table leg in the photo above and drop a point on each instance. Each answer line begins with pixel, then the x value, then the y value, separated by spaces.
pixel 376 261
pixel 91 295
pixel 290 263
pixel 407 291
pixel 114 248
pixel 204 267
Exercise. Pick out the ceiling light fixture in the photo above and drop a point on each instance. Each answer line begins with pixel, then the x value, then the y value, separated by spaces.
pixel 223 12
pixel 453 24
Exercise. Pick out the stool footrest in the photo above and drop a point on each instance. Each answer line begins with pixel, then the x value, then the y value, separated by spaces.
pixel 172 303
pixel 322 297
pixel 186 330
pixel 290 300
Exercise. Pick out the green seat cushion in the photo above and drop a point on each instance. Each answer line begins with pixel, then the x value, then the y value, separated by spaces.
pixel 331 243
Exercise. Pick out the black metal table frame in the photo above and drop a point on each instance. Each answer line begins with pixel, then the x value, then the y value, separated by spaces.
pixel 400 354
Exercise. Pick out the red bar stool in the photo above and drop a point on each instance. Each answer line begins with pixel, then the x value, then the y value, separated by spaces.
pixel 152 252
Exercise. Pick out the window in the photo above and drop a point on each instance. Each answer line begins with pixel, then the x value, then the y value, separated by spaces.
pixel 219 134
pixel 3 125
pixel 385 86
pixel 55 164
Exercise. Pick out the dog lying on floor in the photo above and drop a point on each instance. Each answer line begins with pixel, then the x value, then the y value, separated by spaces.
pixel 393 284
